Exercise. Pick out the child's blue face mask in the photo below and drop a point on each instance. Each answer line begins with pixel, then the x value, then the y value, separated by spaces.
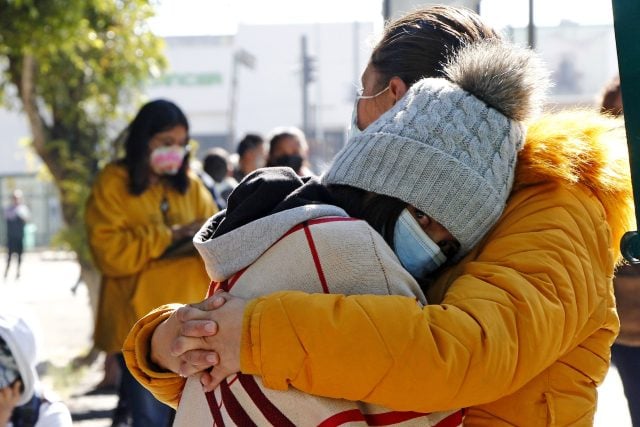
pixel 417 253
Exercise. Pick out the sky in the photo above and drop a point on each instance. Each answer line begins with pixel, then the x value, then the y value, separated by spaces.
pixel 212 17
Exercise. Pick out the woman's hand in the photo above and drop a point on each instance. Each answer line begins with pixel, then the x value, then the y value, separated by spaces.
pixel 9 397
pixel 184 231
pixel 169 339
pixel 161 341
pixel 210 335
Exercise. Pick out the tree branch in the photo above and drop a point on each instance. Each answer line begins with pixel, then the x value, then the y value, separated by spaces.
pixel 30 103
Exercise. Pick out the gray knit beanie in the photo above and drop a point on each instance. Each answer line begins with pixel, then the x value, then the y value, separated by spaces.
pixel 449 146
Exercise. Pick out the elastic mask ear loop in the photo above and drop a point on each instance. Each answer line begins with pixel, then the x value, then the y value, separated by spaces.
pixel 360 96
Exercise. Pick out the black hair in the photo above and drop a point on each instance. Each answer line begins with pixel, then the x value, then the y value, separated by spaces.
pixel 249 142
pixel 277 138
pixel 215 163
pixel 611 102
pixel 380 211
pixel 418 44
pixel 154 117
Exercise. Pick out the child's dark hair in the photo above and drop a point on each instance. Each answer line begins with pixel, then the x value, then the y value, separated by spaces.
pixel 381 212
pixel 154 117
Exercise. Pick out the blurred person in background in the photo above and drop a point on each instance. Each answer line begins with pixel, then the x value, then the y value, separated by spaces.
pixel 217 165
pixel 288 147
pixel 16 215
pixel 141 215
pixel 209 183
pixel 611 98
pixel 24 402
pixel 625 352
pixel 250 155
pixel 518 332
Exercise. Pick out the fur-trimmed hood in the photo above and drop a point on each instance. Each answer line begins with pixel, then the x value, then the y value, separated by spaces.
pixel 582 147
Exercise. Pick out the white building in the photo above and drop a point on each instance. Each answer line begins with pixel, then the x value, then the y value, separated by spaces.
pixel 200 80
pixel 269 94
pixel 581 59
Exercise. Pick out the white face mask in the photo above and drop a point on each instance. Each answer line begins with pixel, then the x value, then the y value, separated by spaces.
pixel 167 160
pixel 354 130
pixel 416 251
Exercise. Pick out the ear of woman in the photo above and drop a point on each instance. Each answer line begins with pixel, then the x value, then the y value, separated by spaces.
pixel 397 88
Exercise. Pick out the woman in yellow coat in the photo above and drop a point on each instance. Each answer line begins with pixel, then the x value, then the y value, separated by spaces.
pixel 140 218
pixel 519 332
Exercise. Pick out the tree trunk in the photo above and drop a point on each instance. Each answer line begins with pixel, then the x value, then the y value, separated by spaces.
pixel 41 133
pixel 90 276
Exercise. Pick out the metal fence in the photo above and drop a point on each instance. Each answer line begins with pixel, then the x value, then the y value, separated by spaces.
pixel 41 197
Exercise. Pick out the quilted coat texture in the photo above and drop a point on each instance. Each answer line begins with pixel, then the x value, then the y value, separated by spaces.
pixel 522 332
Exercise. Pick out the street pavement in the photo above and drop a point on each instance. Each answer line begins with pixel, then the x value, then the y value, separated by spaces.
pixel 65 325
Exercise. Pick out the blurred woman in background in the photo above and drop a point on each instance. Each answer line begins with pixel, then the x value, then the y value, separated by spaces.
pixel 141 216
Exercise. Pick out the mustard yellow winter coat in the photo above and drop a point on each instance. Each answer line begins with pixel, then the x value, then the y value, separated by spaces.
pixel 521 328
pixel 127 236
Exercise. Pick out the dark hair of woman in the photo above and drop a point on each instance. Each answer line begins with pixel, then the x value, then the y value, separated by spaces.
pixel 381 212
pixel 154 117
pixel 277 139
pixel 611 102
pixel 418 45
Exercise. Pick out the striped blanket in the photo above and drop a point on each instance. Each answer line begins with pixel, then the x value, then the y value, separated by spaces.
pixel 322 255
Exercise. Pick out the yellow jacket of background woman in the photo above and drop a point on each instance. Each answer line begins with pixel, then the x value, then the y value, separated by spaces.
pixel 522 331
pixel 128 236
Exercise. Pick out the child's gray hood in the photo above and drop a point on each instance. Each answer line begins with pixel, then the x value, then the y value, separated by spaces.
pixel 261 209
pixel 237 249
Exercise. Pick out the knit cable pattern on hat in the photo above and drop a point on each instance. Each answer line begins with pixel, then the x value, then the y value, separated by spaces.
pixel 444 150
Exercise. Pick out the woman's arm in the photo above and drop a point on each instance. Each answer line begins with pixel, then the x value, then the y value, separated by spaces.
pixel 534 290
pixel 119 247
pixel 147 367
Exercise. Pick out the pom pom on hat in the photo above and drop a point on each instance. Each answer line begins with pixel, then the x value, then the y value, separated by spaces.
pixel 513 81
pixel 449 146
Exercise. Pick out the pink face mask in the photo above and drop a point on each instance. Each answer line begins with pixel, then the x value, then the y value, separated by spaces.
pixel 167 160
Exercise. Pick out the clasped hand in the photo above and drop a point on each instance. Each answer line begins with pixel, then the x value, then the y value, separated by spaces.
pixel 184 231
pixel 202 338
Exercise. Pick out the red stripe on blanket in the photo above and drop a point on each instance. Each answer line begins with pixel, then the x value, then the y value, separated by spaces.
pixel 317 221
pixel 262 402
pixel 385 419
pixel 352 415
pixel 233 407
pixel 215 409
pixel 224 285
pixel 331 219
pixel 291 231
pixel 316 258
pixel 214 286
pixel 228 284
pixel 235 278
pixel 232 380
pixel 452 420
